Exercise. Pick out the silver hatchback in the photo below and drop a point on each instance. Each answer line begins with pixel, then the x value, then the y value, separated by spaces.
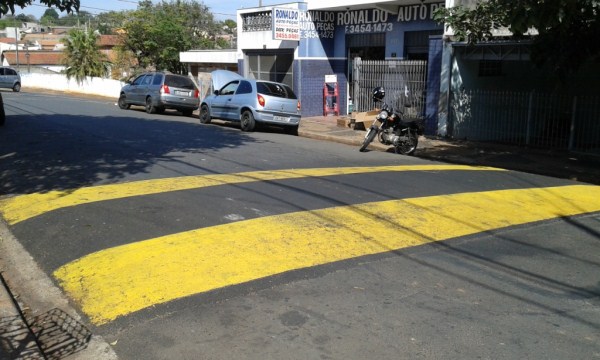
pixel 10 79
pixel 157 91
pixel 250 102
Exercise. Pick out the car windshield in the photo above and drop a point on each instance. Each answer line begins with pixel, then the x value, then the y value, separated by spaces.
pixel 275 89
pixel 179 82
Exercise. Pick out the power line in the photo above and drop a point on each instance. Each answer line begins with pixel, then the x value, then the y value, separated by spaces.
pixel 109 10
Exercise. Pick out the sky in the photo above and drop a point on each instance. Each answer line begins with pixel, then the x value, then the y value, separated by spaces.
pixel 222 9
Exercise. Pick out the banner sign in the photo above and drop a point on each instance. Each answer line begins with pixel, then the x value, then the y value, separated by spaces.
pixel 286 24
pixel 323 24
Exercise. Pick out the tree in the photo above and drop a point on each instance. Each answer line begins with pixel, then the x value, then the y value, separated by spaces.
pixel 25 18
pixel 110 22
pixel 7 6
pixel 567 30
pixel 158 33
pixel 229 26
pixel 50 17
pixel 82 56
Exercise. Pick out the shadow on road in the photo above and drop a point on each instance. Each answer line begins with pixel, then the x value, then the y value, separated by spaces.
pixel 58 152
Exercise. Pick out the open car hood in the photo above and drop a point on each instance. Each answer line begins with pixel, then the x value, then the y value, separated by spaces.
pixel 222 77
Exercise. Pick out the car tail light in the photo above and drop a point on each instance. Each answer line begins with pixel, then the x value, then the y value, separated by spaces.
pixel 197 93
pixel 298 106
pixel 165 89
pixel 261 100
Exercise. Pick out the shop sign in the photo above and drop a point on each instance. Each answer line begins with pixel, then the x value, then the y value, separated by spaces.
pixel 417 12
pixel 286 24
pixel 322 24
pixel 317 24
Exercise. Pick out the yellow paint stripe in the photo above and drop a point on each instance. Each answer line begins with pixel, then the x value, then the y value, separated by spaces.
pixel 124 279
pixel 23 207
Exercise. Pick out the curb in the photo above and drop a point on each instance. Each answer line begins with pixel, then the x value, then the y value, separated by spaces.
pixel 42 324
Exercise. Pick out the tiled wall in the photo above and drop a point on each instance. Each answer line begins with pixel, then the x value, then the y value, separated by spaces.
pixel 309 79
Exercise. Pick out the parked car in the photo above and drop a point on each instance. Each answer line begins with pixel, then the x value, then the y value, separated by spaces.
pixel 10 79
pixel 250 102
pixel 157 91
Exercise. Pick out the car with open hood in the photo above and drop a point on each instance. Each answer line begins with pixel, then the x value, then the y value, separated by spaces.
pixel 251 102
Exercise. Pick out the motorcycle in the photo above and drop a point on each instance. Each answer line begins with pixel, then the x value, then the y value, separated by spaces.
pixel 393 131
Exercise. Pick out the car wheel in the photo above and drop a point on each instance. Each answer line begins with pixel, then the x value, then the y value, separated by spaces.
pixel 187 112
pixel 123 103
pixel 247 121
pixel 17 87
pixel 150 109
pixel 205 115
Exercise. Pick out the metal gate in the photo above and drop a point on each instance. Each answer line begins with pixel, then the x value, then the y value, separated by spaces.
pixel 547 120
pixel 404 81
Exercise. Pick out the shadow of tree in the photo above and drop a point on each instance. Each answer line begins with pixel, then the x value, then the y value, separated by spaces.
pixel 58 152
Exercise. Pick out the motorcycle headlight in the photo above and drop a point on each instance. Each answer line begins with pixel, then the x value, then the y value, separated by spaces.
pixel 383 114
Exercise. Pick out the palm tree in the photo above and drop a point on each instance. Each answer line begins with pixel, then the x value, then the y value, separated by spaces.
pixel 82 56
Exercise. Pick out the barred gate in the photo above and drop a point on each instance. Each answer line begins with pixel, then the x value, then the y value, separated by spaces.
pixel 548 120
pixel 404 82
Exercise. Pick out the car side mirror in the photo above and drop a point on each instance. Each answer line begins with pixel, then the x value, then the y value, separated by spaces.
pixel 216 92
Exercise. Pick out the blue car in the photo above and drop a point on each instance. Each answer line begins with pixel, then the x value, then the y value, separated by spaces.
pixel 250 102
pixel 10 78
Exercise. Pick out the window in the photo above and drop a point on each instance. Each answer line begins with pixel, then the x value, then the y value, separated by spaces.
pixel 272 66
pixel 244 88
pixel 278 90
pixel 138 80
pixel 179 81
pixel 230 88
pixel 158 78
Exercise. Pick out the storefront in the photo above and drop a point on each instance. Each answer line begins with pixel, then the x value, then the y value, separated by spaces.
pixel 305 44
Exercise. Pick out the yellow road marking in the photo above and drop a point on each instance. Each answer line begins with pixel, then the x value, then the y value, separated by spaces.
pixel 124 279
pixel 23 207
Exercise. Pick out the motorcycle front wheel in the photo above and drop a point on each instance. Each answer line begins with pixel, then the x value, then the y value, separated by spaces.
pixel 371 133
pixel 409 146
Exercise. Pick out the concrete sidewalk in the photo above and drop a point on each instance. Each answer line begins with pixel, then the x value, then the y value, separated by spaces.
pixel 554 163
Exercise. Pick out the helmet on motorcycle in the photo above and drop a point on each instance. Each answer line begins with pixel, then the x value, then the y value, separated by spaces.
pixel 378 93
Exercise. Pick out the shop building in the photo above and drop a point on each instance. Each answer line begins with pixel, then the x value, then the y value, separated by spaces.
pixel 313 46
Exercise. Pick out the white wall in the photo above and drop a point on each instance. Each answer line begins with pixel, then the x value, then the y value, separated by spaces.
pixel 59 82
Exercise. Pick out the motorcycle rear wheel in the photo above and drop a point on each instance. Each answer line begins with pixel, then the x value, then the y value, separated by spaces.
pixel 409 146
pixel 371 133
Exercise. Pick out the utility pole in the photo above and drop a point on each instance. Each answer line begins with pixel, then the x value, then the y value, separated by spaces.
pixel 17 46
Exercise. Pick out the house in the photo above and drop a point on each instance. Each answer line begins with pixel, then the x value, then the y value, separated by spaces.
pixel 34 61
pixel 43 52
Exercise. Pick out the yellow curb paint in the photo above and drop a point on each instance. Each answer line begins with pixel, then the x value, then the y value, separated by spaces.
pixel 23 207
pixel 117 281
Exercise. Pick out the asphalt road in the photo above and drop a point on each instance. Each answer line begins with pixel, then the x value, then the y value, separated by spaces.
pixel 176 240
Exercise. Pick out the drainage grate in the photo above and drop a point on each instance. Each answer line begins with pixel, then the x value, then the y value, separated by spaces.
pixel 53 335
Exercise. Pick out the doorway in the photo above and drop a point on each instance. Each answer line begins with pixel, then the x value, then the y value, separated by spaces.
pixel 365 47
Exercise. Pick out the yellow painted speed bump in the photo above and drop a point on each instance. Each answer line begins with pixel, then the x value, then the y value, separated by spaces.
pixel 117 281
pixel 23 207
